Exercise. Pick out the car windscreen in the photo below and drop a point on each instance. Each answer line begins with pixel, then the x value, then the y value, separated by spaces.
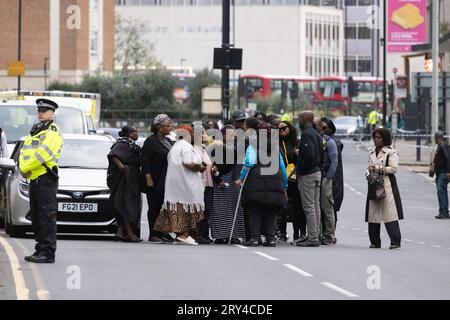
pixel 84 154
pixel 345 121
pixel 17 121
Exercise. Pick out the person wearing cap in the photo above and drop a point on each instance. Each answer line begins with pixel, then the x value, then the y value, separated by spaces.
pixel 38 163
pixel 238 119
pixel 326 129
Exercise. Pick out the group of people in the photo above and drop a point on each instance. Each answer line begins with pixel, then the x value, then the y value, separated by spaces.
pixel 201 188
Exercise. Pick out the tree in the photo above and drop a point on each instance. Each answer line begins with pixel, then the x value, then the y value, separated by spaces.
pixel 132 50
pixel 203 78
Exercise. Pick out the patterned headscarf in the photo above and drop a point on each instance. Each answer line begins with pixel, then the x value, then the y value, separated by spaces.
pixel 160 118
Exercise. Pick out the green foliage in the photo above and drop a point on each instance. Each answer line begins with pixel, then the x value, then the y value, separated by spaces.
pixel 202 79
pixel 136 96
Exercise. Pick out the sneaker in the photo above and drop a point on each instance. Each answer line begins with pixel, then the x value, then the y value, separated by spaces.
pixel 395 246
pixel 282 238
pixel 189 240
pixel 252 243
pixel 302 238
pixel 308 243
pixel 167 238
pixel 270 243
pixel 201 240
pixel 374 246
pixel 220 241
pixel 41 258
pixel 442 216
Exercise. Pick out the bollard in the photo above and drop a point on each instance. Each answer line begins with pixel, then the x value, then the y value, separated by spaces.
pixel 418 148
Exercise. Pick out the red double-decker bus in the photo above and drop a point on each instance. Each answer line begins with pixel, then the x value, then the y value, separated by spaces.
pixel 264 86
pixel 329 93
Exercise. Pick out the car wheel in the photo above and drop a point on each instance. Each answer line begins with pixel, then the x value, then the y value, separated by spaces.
pixel 17 232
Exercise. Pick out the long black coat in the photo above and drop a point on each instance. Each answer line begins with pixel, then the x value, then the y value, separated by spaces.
pixel 338 180
pixel 125 186
pixel 154 161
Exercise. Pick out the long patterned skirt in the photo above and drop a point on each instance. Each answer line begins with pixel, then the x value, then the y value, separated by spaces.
pixel 178 221
pixel 222 212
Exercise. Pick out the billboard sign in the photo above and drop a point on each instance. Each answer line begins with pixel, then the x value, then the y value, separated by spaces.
pixel 406 24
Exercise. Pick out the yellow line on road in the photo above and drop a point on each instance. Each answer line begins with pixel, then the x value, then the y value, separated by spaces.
pixel 22 292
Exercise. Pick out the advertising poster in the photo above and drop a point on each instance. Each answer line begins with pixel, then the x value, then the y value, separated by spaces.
pixel 406 24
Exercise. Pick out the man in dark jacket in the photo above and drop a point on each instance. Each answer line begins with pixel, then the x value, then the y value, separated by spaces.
pixel 309 177
pixel 441 164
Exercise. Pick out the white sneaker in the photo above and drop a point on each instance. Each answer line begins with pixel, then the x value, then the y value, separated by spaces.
pixel 189 240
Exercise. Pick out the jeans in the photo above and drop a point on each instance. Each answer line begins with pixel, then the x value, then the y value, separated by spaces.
pixel 441 186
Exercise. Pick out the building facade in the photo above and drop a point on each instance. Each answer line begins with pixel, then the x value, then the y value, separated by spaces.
pixel 303 37
pixel 61 40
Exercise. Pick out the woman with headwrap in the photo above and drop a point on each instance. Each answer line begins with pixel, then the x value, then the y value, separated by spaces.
pixel 183 205
pixel 124 173
pixel 154 164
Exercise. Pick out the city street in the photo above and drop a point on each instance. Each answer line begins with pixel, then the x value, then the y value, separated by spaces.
pixel 93 267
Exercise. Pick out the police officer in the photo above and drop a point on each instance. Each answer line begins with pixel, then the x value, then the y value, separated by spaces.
pixel 38 162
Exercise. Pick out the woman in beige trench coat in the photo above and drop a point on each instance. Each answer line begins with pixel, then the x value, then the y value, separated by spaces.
pixel 384 160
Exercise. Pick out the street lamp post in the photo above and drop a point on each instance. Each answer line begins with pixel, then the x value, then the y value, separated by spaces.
pixel 19 45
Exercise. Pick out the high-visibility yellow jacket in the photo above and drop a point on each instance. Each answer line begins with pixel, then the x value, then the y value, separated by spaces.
pixel 42 147
pixel 373 117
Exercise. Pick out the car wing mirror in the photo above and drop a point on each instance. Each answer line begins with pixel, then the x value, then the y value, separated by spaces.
pixel 7 163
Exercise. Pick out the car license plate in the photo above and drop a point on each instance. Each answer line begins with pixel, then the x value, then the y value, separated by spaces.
pixel 77 207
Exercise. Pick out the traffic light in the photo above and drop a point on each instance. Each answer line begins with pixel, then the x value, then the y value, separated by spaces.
pixel 391 92
pixel 352 87
pixel 293 93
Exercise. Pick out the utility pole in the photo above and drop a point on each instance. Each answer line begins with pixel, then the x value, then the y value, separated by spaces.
pixel 384 64
pixel 19 46
pixel 226 70
pixel 435 74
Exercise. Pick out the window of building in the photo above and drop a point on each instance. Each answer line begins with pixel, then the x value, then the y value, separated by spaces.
pixel 364 65
pixel 350 3
pixel 350 32
pixel 331 3
pixel 93 45
pixel 363 3
pixel 364 32
pixel 350 65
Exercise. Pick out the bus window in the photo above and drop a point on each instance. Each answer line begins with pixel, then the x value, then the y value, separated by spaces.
pixel 275 86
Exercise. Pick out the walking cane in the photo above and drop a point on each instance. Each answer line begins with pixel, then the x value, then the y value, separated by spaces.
pixel 237 206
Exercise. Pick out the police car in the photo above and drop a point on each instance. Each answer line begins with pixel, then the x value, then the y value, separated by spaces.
pixel 83 196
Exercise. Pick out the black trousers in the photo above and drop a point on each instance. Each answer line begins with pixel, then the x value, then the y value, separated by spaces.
pixel 262 216
pixel 155 202
pixel 203 226
pixel 43 209
pixel 392 228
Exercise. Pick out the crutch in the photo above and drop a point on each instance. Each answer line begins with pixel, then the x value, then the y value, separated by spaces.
pixel 237 206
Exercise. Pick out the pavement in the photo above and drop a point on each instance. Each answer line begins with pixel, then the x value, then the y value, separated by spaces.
pixel 95 267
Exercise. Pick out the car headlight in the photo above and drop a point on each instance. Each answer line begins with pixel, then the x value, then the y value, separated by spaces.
pixel 24 189
pixel 351 129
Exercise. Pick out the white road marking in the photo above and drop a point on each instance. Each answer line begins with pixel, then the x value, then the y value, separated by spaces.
pixel 300 271
pixel 42 292
pixel 262 254
pixel 355 229
pixel 22 291
pixel 436 246
pixel 422 208
pixel 421 242
pixel 358 193
pixel 343 227
pixel 340 290
pixel 241 246
pixel 407 240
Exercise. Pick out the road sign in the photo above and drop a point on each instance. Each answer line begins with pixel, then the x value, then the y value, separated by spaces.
pixel 16 68
pixel 212 100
